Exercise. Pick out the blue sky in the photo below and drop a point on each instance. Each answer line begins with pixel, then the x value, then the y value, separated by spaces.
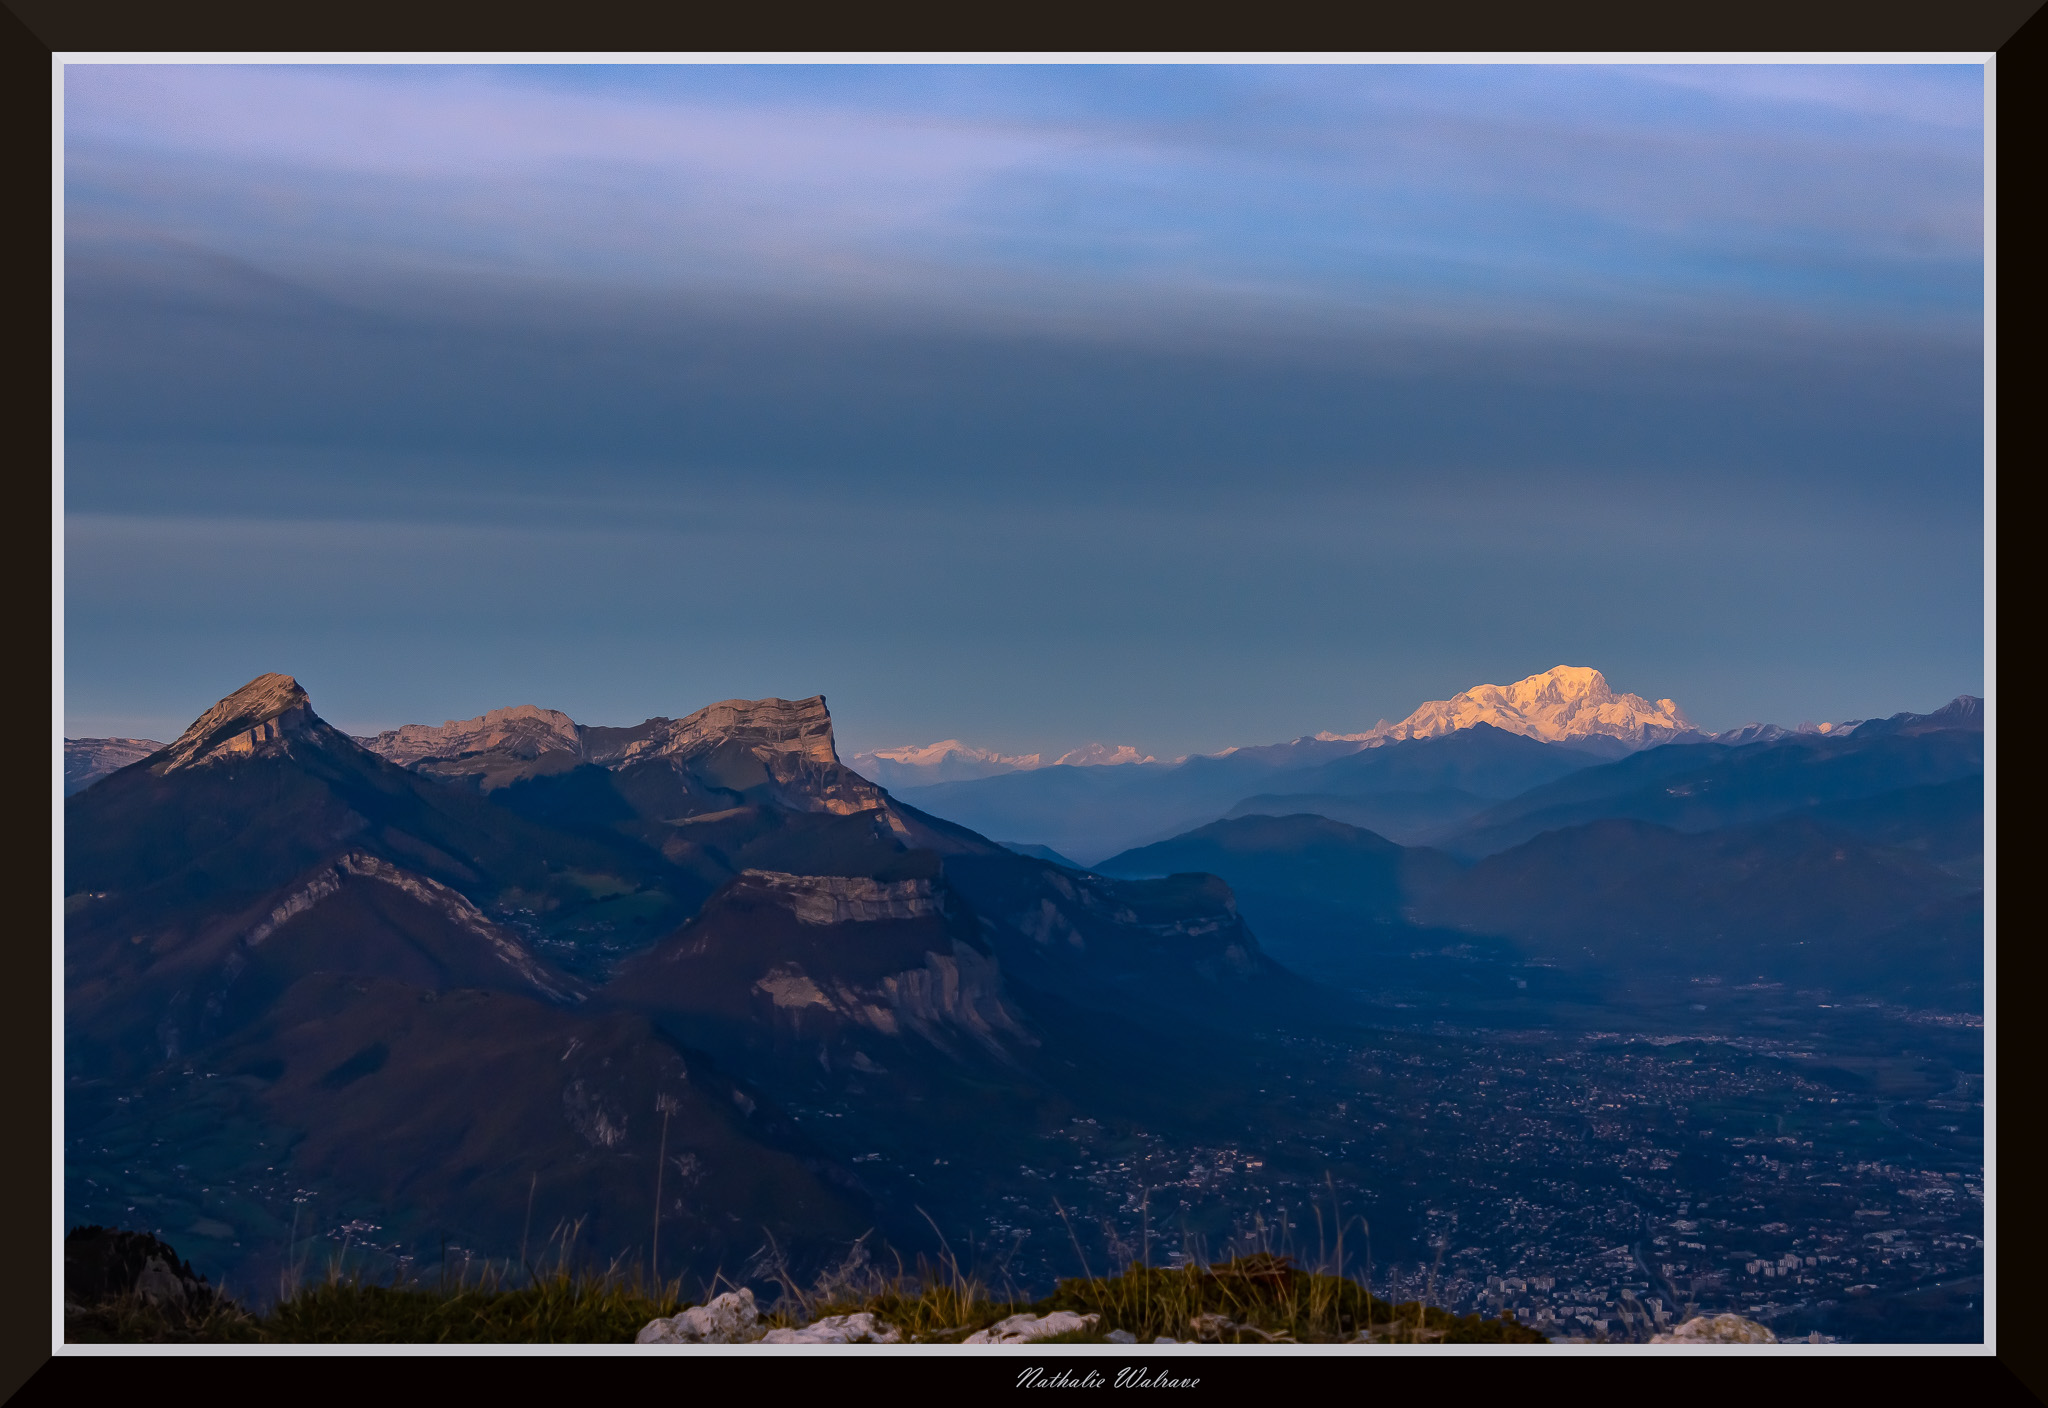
pixel 1182 406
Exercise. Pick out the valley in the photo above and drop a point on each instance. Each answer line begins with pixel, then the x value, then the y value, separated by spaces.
pixel 459 994
pixel 1581 1180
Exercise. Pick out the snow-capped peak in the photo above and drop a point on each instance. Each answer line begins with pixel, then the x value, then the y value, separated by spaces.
pixel 1377 731
pixel 951 760
pixel 925 755
pixel 919 764
pixel 1097 755
pixel 1561 704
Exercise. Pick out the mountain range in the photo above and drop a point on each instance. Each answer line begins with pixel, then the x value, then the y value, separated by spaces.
pixel 1090 813
pixel 449 975
pixel 460 970
pixel 1570 710
pixel 1850 861
pixel 954 761
pixel 1569 704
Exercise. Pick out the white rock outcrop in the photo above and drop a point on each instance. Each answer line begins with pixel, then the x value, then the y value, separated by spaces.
pixel 159 1284
pixel 960 993
pixel 1717 1329
pixel 846 899
pixel 1022 1329
pixel 859 1328
pixel 732 1318
pixel 328 880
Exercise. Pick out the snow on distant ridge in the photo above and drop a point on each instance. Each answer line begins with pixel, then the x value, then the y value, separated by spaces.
pixel 950 761
pixel 1569 704
pixel 1102 755
pixel 1564 703
pixel 916 765
pixel 926 755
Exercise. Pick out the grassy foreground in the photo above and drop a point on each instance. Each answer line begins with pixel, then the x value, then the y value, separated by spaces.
pixel 1248 1300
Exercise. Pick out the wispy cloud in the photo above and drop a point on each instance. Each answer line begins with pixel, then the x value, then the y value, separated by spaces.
pixel 1188 405
pixel 1363 187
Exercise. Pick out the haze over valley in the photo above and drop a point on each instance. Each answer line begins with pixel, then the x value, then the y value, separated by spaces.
pixel 850 1006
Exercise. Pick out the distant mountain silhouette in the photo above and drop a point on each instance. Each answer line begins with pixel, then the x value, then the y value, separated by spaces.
pixel 1308 885
pixel 87 760
pixel 1792 899
pixel 1965 711
pixel 1341 866
pixel 1408 818
pixel 1093 812
pixel 1873 888
pixel 1694 787
pixel 1480 759
pixel 1024 848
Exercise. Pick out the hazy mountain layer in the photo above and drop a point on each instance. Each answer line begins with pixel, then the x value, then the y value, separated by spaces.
pixel 1089 813
pixel 1410 818
pixel 1791 900
pixel 1693 787
pixel 1567 704
pixel 87 760
pixel 1825 862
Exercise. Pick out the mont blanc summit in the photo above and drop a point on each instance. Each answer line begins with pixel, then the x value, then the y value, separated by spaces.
pixel 1562 705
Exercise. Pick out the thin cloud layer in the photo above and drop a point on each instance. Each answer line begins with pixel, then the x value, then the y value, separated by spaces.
pixel 1187 405
pixel 1367 186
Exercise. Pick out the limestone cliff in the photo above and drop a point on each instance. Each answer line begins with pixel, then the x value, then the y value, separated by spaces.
pixel 258 720
pixel 777 750
pixel 521 731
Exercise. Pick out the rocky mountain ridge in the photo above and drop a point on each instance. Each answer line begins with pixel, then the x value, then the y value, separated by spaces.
pixel 258 720
pixel 459 979
pixel 761 748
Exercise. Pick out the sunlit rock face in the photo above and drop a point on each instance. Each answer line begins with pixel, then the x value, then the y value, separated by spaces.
pixel 798 728
pixel 844 899
pixel 1560 705
pixel 257 720
pixel 522 731
pixel 841 969
pixel 781 750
